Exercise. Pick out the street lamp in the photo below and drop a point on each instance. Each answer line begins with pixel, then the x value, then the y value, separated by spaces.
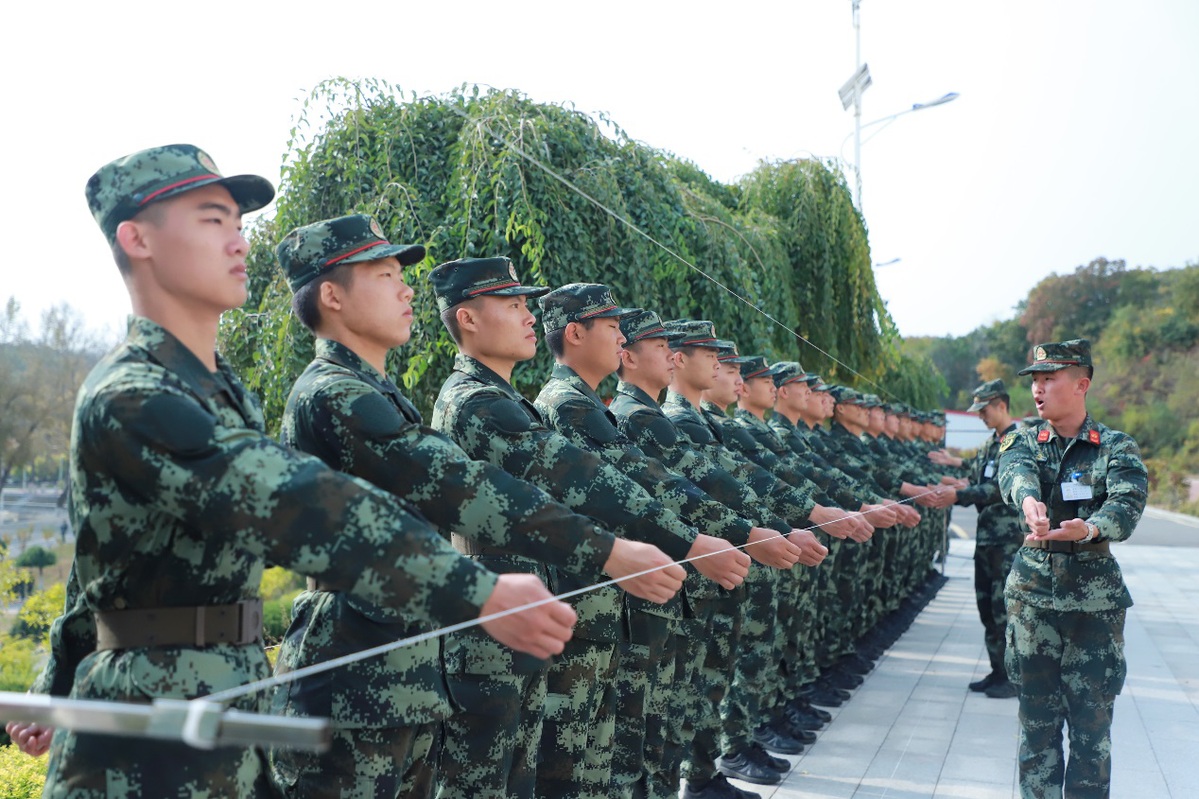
pixel 884 121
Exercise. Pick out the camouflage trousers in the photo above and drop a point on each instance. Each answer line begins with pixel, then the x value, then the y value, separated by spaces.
pixel 1070 667
pixel 797 630
pixel 644 689
pixel 756 675
pixel 362 763
pixel 575 754
pixel 491 739
pixel 712 639
pixel 84 766
pixel 992 562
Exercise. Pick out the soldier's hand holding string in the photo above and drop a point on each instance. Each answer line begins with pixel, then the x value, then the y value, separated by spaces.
pixel 1071 530
pixel 541 631
pixel 631 557
pixel 724 564
pixel 32 739
pixel 769 548
pixel 838 524
pixel 880 516
pixel 812 552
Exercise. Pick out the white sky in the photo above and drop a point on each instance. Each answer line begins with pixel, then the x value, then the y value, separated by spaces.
pixel 1074 135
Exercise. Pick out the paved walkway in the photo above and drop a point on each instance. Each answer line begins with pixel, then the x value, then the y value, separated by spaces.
pixel 913 731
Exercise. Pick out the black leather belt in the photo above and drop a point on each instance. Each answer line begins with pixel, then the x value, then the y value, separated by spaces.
pixel 197 625
pixel 1070 546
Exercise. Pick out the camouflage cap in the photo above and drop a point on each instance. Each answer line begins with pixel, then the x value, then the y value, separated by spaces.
pixel 456 282
pixel 578 302
pixel 756 366
pixel 643 324
pixel 844 395
pixel 871 401
pixel 788 372
pixel 818 384
pixel 695 333
pixel 986 392
pixel 726 352
pixel 121 189
pixel 306 251
pixel 1058 355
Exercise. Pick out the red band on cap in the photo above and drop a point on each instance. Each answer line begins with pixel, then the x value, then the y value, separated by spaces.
pixel 755 374
pixel 593 313
pixel 701 341
pixel 648 333
pixel 344 256
pixel 507 285
pixel 176 185
pixel 1067 363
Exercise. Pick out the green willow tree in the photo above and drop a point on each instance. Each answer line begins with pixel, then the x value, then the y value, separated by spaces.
pixel 567 198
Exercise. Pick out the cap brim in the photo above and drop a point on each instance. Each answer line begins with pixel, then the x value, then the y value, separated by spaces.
pixel 406 254
pixel 1045 367
pixel 515 291
pixel 251 192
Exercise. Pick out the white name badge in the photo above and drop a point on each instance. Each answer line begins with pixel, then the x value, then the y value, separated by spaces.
pixel 990 470
pixel 1072 491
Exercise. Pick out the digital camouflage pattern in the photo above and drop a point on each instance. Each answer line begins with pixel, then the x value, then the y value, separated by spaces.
pixel 492 421
pixel 357 421
pixel 366 763
pixel 1066 610
pixel 456 282
pixel 178 498
pixel 309 250
pixel 579 302
pixel 121 189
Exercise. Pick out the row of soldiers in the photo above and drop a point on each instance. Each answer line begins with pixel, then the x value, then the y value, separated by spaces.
pixel 803 550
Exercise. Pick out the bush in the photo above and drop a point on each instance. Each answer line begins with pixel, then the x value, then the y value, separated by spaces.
pixel 276 617
pixel 21 776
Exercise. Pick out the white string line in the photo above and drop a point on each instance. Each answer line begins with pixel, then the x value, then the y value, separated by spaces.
pixel 354 657
pixel 632 226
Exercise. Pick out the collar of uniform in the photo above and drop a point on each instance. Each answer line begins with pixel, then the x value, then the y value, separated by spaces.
pixel 637 393
pixel 1084 432
pixel 169 351
pixel 711 407
pixel 340 354
pixel 1010 428
pixel 747 417
pixel 484 374
pixel 569 376
pixel 675 398
pixel 778 420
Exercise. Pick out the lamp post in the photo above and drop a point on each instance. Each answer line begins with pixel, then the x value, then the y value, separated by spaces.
pixel 851 94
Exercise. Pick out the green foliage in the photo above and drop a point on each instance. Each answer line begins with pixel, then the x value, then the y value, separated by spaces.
pixel 277 581
pixel 276 616
pixel 568 198
pixel 21 776
pixel 38 612
pixel 36 558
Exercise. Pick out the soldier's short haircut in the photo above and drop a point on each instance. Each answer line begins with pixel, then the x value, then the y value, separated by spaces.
pixel 1082 371
pixel 556 339
pixel 449 318
pixel 1006 399
pixel 306 302
pixel 688 350
pixel 152 214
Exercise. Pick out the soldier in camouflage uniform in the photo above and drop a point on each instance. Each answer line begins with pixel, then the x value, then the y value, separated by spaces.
pixel 387 711
pixel 179 498
pixel 1080 486
pixel 999 534
pixel 581 324
pixel 480 409
pixel 646 369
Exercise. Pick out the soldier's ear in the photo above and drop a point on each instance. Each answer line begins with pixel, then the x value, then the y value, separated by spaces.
pixel 330 296
pixel 466 318
pixel 131 238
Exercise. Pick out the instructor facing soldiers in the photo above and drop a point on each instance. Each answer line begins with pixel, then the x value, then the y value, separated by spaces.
pixel 1080 486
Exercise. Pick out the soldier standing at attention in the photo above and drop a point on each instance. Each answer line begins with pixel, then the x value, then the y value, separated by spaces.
pixel 1080 486
pixel 999 535
pixel 387 711
pixel 179 498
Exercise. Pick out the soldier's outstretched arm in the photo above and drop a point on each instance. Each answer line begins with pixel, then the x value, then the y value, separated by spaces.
pixel 541 631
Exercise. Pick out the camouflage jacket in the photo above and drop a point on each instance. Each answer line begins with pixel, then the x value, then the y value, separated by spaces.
pixel 833 491
pixel 357 421
pixel 846 451
pixel 1035 461
pixel 784 500
pixel 998 522
pixel 640 417
pixel 572 408
pixel 178 498
pixel 845 490
pixel 488 418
